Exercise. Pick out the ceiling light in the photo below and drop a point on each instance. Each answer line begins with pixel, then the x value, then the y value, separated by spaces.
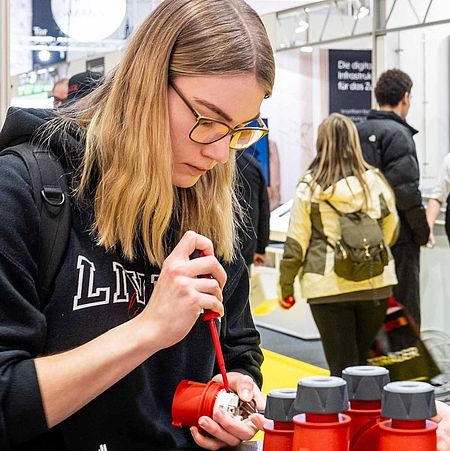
pixel 306 49
pixel 44 55
pixel 363 12
pixel 302 26
pixel 86 20
pixel 359 11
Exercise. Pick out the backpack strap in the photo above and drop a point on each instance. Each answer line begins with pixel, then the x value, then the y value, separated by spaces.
pixel 322 235
pixel 334 208
pixel 51 194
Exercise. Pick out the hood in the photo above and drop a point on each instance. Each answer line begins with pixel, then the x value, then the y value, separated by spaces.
pixel 348 195
pixel 21 125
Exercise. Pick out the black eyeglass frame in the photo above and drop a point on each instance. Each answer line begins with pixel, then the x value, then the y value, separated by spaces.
pixel 231 130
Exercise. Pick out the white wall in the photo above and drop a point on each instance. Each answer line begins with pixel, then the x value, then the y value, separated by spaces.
pixel 20 28
pixel 298 104
pixel 295 110
pixel 424 54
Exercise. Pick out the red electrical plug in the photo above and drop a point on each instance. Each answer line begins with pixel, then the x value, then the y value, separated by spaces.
pixel 210 316
pixel 287 303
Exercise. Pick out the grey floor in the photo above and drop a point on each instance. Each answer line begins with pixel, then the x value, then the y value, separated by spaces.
pixel 309 351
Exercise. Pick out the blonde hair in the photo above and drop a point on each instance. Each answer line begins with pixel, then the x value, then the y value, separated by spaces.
pixel 339 154
pixel 127 162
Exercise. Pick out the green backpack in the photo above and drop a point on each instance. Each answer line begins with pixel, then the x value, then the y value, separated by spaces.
pixel 360 253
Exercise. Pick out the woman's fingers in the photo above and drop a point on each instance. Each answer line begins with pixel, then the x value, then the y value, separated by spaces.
pixel 259 420
pixel 190 242
pixel 208 302
pixel 207 265
pixel 226 429
pixel 223 427
pixel 204 441
pixel 180 296
pixel 208 286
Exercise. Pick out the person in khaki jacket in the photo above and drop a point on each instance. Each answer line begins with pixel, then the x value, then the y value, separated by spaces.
pixel 348 314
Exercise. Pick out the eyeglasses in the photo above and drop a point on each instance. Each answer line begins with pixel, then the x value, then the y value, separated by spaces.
pixel 208 131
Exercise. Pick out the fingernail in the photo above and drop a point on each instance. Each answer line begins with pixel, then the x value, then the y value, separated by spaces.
pixel 246 395
pixel 202 422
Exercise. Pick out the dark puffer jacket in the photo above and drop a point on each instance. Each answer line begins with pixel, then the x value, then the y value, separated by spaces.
pixel 387 143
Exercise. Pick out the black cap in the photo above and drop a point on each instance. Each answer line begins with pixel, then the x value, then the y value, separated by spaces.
pixel 82 84
pixel 279 404
pixel 321 394
pixel 365 383
pixel 408 400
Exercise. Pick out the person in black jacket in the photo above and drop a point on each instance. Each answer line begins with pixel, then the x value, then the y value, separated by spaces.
pixel 81 85
pixel 387 143
pixel 149 156
pixel 254 200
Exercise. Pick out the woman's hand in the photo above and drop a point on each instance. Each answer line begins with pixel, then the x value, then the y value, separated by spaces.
pixel 443 431
pixel 259 259
pixel 431 240
pixel 180 296
pixel 225 430
pixel 287 303
pixel 84 372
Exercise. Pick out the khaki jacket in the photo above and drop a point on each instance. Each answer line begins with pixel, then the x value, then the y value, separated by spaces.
pixel 307 254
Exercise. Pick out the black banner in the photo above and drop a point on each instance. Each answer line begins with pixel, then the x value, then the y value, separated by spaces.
pixel 44 25
pixel 350 83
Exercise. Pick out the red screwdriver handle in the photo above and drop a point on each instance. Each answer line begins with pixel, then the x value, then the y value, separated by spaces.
pixel 210 316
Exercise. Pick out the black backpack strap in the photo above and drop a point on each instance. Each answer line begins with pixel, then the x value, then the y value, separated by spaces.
pixel 334 208
pixel 51 193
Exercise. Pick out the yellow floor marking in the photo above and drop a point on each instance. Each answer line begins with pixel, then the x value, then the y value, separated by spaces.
pixel 280 371
pixel 264 308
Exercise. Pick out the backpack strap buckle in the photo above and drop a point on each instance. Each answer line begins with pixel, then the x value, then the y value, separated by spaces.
pixel 53 196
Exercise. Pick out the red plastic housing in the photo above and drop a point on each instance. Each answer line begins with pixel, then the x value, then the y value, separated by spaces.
pixel 193 400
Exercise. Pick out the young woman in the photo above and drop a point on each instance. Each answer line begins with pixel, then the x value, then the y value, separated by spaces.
pixel 348 314
pixel 150 155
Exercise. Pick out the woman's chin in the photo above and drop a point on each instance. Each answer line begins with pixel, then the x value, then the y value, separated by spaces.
pixel 184 181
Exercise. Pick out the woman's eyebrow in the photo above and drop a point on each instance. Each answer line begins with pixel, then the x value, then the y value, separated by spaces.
pixel 214 108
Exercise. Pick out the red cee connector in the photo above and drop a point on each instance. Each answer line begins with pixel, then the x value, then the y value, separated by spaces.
pixel 193 400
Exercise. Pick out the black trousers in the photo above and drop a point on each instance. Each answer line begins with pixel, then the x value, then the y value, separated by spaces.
pixel 407 266
pixel 347 330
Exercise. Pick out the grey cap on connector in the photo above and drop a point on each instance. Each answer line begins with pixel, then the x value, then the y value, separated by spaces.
pixel 279 404
pixel 321 394
pixel 365 383
pixel 408 400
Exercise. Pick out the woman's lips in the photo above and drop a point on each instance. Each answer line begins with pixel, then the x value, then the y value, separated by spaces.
pixel 196 170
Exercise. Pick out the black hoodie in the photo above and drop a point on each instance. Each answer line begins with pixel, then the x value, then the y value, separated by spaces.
pixel 94 292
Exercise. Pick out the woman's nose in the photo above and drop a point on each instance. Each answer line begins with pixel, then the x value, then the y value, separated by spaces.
pixel 218 151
